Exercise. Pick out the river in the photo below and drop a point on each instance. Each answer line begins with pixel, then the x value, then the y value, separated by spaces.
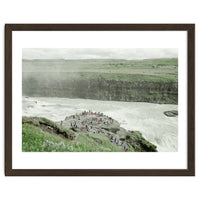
pixel 148 118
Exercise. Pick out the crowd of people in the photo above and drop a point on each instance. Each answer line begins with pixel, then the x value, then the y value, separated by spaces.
pixel 89 122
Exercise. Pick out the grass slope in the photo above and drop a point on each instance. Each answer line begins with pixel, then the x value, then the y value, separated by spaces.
pixel 34 139
pixel 43 135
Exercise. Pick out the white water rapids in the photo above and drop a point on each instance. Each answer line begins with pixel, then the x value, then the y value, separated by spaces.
pixel 148 118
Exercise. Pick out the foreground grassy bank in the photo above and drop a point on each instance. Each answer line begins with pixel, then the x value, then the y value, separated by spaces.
pixel 36 140
pixel 43 135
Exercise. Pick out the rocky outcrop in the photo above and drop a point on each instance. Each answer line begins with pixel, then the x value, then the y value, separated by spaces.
pixel 172 113
pixel 137 141
pixel 98 123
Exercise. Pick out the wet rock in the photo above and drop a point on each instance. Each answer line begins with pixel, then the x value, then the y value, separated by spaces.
pixel 172 113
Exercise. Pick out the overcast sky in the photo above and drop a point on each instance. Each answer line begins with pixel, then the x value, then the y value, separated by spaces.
pixel 100 53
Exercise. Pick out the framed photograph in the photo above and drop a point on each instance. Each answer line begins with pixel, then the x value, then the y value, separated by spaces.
pixel 99 99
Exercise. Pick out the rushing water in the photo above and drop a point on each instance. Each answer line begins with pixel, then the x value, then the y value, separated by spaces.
pixel 148 118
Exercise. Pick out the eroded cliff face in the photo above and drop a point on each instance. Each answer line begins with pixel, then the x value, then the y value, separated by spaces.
pixel 102 89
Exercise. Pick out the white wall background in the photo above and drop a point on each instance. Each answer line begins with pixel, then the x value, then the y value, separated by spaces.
pixel 104 11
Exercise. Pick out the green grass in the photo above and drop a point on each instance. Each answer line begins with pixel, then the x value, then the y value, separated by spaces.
pixel 36 121
pixel 98 64
pixel 89 143
pixel 36 140
pixel 55 70
pixel 125 77
pixel 167 77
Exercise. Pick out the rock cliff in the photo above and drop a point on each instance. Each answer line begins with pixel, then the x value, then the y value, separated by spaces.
pixel 102 89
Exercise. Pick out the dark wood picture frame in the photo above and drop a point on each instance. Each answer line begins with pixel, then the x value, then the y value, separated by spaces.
pixel 190 171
